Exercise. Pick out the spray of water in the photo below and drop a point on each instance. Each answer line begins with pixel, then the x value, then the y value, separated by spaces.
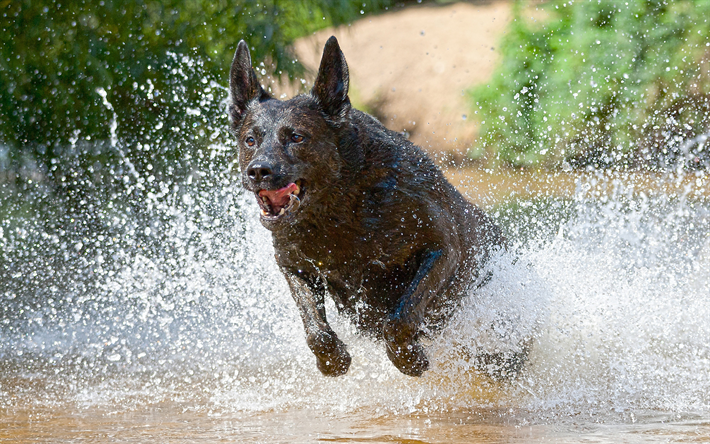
pixel 176 298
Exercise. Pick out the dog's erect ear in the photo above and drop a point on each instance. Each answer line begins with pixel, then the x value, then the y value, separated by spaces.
pixel 331 86
pixel 243 84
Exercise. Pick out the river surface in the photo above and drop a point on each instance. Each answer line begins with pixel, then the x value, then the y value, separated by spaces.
pixel 178 327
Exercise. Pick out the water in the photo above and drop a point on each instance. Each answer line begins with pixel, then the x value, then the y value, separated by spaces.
pixel 150 308
pixel 164 317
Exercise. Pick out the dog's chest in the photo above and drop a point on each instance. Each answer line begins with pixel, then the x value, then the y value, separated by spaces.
pixel 367 292
pixel 357 274
pixel 364 279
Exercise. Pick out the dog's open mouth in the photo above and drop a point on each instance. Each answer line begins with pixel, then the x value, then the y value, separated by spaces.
pixel 276 204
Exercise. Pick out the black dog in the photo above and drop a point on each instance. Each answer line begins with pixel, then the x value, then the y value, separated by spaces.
pixel 356 211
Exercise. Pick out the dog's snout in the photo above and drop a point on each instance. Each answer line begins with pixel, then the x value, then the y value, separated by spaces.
pixel 259 171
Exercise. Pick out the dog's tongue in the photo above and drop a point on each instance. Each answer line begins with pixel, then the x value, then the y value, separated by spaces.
pixel 279 198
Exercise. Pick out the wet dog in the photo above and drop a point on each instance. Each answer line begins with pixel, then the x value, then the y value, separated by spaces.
pixel 357 212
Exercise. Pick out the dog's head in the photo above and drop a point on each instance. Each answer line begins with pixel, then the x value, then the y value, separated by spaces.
pixel 290 152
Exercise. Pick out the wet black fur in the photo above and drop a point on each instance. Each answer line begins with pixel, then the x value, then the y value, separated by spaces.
pixel 378 228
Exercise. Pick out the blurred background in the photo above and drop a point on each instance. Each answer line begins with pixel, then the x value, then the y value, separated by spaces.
pixel 607 84
pixel 604 83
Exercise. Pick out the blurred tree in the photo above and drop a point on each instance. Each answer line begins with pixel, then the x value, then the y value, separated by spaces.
pixel 66 66
pixel 623 83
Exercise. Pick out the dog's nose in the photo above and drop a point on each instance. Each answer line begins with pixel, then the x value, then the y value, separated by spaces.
pixel 258 171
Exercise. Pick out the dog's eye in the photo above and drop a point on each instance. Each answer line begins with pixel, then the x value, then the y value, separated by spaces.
pixel 296 138
pixel 250 141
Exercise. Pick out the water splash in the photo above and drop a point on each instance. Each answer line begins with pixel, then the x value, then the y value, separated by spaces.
pixel 187 305
pixel 163 291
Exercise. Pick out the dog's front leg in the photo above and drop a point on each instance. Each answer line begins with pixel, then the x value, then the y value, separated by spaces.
pixel 402 327
pixel 331 356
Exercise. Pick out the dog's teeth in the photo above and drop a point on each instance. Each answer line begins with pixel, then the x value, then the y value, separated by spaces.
pixel 298 190
pixel 263 199
pixel 281 213
pixel 294 202
pixel 264 213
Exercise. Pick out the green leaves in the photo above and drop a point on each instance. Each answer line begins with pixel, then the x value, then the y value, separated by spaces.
pixel 606 83
pixel 156 60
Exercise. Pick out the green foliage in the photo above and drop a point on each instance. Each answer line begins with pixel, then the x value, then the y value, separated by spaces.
pixel 603 82
pixel 160 63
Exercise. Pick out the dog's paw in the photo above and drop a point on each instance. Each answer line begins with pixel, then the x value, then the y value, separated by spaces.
pixel 409 359
pixel 332 358
pixel 334 365
pixel 403 350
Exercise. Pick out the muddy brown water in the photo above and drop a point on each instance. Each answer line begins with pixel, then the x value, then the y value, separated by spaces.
pixel 172 424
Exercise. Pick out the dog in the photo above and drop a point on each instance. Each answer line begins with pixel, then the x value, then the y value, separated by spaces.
pixel 357 212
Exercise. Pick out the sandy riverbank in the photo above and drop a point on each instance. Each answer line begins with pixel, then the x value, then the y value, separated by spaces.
pixel 412 67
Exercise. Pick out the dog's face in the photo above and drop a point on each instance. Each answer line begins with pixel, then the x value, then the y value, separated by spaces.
pixel 288 150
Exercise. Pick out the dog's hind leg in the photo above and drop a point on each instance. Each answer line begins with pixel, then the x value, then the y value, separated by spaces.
pixel 401 329
pixel 331 355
